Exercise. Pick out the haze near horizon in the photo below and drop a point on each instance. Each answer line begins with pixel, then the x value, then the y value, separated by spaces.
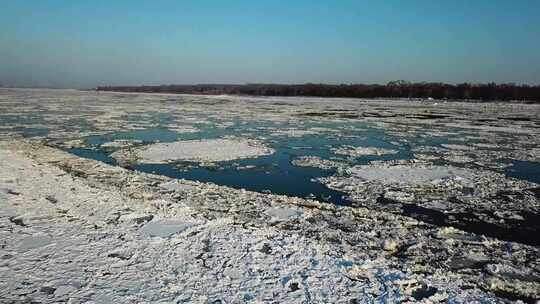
pixel 80 44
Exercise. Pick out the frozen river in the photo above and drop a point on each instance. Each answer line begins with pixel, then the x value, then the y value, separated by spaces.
pixel 473 167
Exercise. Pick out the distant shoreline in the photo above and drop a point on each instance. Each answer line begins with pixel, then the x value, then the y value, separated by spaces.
pixel 402 90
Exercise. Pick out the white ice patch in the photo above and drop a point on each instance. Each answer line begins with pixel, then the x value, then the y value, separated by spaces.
pixel 184 129
pixel 487 128
pixel 174 185
pixel 164 228
pixel 408 175
pixel 294 133
pixel 457 147
pixel 34 241
pixel 362 151
pixel 211 150
pixel 120 143
pixel 283 214
pixel 135 218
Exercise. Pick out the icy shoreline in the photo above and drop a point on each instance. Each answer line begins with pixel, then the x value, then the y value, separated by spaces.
pixel 105 234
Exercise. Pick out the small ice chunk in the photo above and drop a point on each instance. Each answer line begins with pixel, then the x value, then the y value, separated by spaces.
pixel 389 245
pixel 176 185
pixel 164 228
pixel 136 218
pixel 34 241
pixel 64 290
pixel 362 151
pixel 283 213
pixel 120 143
pixel 184 129
pixel 457 147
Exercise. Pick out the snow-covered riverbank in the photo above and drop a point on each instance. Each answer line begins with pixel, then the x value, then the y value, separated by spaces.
pixel 81 231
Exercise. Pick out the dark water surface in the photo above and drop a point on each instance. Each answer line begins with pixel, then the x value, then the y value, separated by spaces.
pixel 275 173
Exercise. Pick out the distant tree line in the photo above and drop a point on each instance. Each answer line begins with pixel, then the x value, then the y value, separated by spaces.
pixel 394 89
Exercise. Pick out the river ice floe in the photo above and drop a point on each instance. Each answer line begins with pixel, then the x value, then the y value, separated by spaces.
pixel 403 174
pixel 362 151
pixel 212 150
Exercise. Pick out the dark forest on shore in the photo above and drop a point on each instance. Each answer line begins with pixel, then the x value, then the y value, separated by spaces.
pixel 394 89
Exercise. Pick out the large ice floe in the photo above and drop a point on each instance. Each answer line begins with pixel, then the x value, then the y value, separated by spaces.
pixel 210 150
pixel 410 175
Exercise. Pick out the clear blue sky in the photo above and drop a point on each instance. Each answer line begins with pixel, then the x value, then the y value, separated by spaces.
pixel 72 43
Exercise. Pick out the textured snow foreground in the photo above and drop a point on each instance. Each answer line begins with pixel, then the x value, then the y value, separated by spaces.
pixel 79 231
